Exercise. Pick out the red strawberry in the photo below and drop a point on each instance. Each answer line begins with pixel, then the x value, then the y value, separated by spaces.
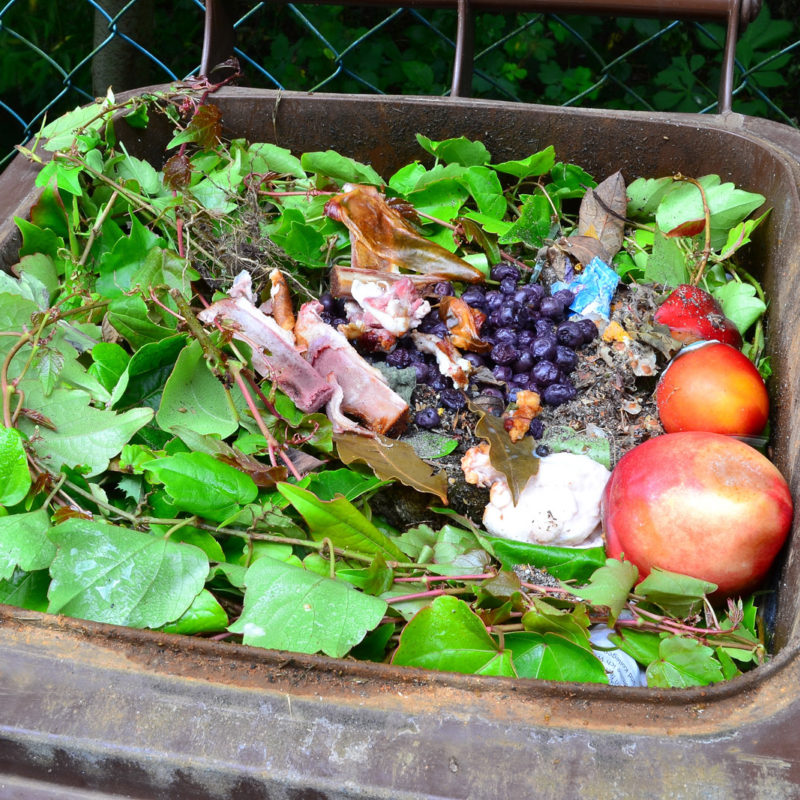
pixel 692 314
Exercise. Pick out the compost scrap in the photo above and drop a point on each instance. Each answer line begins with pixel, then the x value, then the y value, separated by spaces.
pixel 311 400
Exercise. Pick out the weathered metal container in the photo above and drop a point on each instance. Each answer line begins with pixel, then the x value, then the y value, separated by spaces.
pixel 92 708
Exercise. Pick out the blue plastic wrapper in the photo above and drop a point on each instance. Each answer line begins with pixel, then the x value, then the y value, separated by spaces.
pixel 593 288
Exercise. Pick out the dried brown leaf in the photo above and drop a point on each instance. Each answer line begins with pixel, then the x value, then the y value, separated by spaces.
pixel 392 459
pixel 514 459
pixel 602 213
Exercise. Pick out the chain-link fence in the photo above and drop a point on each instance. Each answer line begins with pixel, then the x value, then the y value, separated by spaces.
pixel 54 56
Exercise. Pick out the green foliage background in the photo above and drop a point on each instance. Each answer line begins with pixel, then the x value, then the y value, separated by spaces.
pixel 46 56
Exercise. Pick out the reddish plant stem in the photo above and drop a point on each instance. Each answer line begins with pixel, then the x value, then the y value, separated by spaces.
pixel 436 578
pixel 423 595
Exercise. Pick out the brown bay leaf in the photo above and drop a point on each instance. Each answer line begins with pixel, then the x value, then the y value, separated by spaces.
pixel 392 459
pixel 602 213
pixel 514 459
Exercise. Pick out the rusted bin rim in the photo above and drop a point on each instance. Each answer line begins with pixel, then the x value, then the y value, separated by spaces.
pixel 396 726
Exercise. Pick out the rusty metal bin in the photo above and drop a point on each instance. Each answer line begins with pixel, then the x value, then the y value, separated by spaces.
pixel 91 710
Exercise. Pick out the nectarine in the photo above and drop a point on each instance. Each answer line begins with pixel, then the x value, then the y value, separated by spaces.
pixel 701 504
pixel 712 387
pixel 691 314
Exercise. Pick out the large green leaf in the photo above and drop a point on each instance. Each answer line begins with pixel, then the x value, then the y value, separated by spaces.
pixel 288 608
pixel 26 589
pixel 110 574
pixel 341 522
pixel 446 636
pixel 84 436
pixel 194 398
pixel 202 485
pixel 551 657
pixel 24 542
pixel 142 382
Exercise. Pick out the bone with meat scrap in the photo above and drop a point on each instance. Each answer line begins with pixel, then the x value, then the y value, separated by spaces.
pixel 273 353
pixel 366 394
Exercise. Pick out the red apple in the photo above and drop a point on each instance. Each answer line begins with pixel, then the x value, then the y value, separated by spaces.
pixel 701 504
pixel 692 314
pixel 713 387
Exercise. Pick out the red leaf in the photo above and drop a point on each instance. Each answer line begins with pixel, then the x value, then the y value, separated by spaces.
pixel 177 172
pixel 206 126
pixel 691 228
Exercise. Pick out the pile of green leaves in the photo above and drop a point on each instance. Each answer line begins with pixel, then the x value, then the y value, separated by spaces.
pixel 146 479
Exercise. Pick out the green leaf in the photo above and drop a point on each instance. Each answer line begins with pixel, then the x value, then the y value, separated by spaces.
pixel 683 662
pixel 456 151
pixel 129 316
pixel 375 579
pixel 84 436
pixel 609 586
pixel 339 167
pixel 345 482
pixel 484 186
pixel 564 563
pixel 142 382
pixel 135 169
pixel 571 624
pixel 373 648
pixel 644 195
pixel 551 657
pixel 406 178
pixel 15 477
pixel 110 574
pixel 26 589
pixel 199 484
pixel 679 595
pixel 740 304
pixel 530 167
pixel 739 235
pixel 204 615
pixel 428 444
pixel 446 636
pixel 341 522
pixel 36 240
pixel 564 439
pixel 533 224
pixel 640 645
pixel 128 255
pixel 24 543
pixel 569 180
pixel 667 263
pixel 109 362
pixel 194 398
pixel 266 157
pixel 288 608
pixel 61 132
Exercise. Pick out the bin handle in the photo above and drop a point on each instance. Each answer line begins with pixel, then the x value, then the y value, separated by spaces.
pixel 219 33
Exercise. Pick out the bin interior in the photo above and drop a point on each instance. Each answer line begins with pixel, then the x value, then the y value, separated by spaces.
pixel 757 156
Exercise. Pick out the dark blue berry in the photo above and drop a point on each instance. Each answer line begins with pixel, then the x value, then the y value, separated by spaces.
pixel 558 393
pixel 537 428
pixel 545 373
pixel 427 418
pixel 569 334
pixel 452 399
pixel 588 329
pixel 566 360
pixel 504 270
pixel 543 348
pixel 504 353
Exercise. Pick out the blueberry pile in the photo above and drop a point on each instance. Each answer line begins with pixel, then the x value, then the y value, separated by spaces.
pixel 533 344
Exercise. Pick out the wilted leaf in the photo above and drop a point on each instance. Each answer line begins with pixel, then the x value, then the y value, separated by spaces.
pixel 602 213
pixel 644 195
pixel 341 522
pixel 288 608
pixel 121 576
pixel 392 459
pixel 514 459
pixel 609 586
pixel 584 249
